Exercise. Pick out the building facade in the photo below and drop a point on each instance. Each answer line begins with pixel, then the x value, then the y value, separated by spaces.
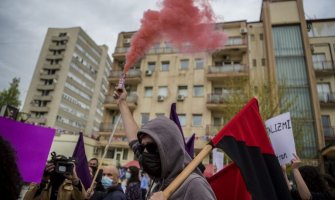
pixel 69 84
pixel 282 50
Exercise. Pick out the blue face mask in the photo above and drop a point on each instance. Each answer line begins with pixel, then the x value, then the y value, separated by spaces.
pixel 128 175
pixel 106 182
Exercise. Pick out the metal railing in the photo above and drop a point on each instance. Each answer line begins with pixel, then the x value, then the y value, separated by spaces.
pixel 325 97
pixel 228 68
pixel 131 73
pixel 329 131
pixel 323 66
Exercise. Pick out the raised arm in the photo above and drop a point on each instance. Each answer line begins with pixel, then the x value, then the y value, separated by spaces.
pixel 302 188
pixel 129 124
pixel 283 167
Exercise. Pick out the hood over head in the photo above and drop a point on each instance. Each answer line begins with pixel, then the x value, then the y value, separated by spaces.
pixel 171 147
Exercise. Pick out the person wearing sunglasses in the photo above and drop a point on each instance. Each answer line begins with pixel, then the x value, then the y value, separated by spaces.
pixel 159 147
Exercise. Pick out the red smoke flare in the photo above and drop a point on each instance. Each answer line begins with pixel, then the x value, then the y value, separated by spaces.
pixel 180 22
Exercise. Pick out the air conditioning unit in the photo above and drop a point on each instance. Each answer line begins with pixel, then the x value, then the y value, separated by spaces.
pixel 243 31
pixel 180 97
pixel 148 72
pixel 160 98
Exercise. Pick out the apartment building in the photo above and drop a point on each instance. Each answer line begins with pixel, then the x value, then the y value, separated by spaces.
pixel 69 83
pixel 281 50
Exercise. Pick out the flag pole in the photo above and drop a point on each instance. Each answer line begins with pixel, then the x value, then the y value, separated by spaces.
pixel 187 171
pixel 105 151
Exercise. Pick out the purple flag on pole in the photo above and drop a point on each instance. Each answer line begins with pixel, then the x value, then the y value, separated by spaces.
pixel 32 145
pixel 81 162
pixel 189 146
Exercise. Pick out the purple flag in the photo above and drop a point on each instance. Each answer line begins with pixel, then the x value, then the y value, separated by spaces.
pixel 81 162
pixel 32 145
pixel 189 146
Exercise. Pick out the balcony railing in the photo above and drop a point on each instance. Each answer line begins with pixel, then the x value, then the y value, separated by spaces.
pixel 121 50
pixel 54 57
pixel 213 129
pixel 329 131
pixel 323 67
pixel 131 98
pixel 57 47
pixel 43 98
pixel 49 66
pixel 39 109
pixel 236 68
pixel 233 41
pixel 46 87
pixel 327 98
pixel 108 127
pixel 133 76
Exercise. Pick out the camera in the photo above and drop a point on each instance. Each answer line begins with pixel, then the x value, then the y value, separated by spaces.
pixel 62 163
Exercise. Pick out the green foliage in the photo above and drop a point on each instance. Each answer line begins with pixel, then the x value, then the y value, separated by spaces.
pixel 11 95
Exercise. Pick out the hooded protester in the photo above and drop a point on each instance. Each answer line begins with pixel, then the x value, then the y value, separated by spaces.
pixel 160 149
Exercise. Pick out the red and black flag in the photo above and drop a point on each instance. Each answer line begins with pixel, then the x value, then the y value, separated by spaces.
pixel 245 141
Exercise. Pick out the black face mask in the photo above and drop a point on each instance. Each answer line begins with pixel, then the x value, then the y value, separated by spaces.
pixel 151 164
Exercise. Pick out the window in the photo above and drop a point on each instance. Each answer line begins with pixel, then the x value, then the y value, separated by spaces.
pixel 263 61
pixel 319 60
pixel 184 64
pixel 125 154
pixel 217 121
pixel 199 63
pixel 182 90
pixel 148 91
pixel 160 114
pixel 110 153
pixel 144 118
pixel 324 92
pixel 327 128
pixel 163 91
pixel 196 120
pixel 182 119
pixel 254 62
pixel 198 91
pixel 252 37
pixel 261 36
pixel 151 66
pixel 165 65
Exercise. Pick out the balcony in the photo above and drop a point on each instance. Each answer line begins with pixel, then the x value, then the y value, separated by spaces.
pixel 236 44
pixel 120 51
pixel 133 76
pixel 219 102
pixel 39 109
pixel 323 68
pixel 118 140
pixel 329 133
pixel 109 127
pixel 53 47
pixel 37 120
pixel 212 130
pixel 59 38
pixel 110 102
pixel 43 98
pixel 54 57
pixel 46 87
pixel 48 76
pixel 218 73
pixel 327 99
pixel 52 67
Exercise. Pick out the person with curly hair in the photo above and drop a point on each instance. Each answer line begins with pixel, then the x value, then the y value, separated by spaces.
pixel 133 189
pixel 10 177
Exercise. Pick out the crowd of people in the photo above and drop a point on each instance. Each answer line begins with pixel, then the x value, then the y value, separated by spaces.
pixel 160 165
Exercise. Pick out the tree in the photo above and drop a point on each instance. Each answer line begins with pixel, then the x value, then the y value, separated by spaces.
pixel 11 95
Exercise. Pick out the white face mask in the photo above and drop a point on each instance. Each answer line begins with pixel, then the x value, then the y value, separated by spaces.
pixel 106 182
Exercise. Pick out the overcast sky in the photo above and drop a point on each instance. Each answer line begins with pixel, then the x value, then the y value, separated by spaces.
pixel 24 23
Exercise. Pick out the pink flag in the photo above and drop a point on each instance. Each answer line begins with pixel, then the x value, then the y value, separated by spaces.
pixel 32 145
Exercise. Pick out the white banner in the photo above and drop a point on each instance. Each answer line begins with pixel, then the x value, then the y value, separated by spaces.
pixel 218 157
pixel 280 131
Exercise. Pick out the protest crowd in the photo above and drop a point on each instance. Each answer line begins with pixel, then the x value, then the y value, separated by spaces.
pixel 160 165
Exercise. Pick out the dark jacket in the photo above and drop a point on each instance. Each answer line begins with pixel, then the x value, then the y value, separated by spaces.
pixel 114 193
pixel 174 158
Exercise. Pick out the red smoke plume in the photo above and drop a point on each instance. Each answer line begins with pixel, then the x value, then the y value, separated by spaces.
pixel 179 22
